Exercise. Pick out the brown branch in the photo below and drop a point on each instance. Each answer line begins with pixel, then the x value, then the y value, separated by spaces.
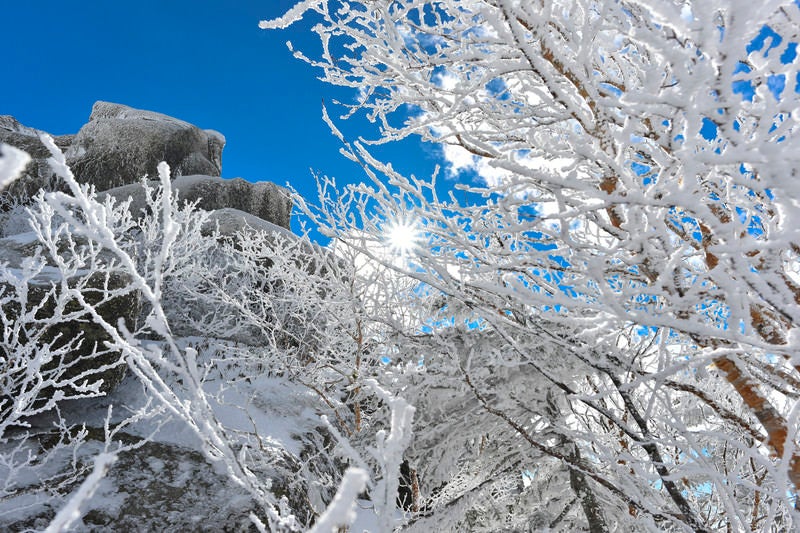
pixel 723 413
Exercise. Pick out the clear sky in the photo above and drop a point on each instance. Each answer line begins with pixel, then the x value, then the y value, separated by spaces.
pixel 203 61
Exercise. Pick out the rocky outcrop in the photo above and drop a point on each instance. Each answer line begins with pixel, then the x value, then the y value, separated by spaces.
pixel 263 200
pixel 176 489
pixel 246 350
pixel 168 484
pixel 113 151
pixel 119 145
pixel 90 358
pixel 229 222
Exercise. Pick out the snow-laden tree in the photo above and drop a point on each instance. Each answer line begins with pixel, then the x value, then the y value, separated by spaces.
pixel 51 356
pixel 619 290
pixel 227 334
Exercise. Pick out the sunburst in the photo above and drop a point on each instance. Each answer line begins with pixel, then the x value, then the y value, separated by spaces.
pixel 402 236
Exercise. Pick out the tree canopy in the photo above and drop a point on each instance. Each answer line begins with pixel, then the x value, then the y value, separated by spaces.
pixel 625 270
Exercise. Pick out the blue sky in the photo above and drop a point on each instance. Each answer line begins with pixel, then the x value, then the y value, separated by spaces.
pixel 203 61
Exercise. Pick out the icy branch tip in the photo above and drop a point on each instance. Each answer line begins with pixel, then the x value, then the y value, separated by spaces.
pixel 51 145
pixel 291 16
pixel 72 510
pixel 342 510
pixel 57 160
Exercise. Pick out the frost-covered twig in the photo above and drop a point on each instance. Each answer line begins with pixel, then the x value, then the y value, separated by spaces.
pixel 71 512
pixel 159 370
pixel 341 511
pixel 389 453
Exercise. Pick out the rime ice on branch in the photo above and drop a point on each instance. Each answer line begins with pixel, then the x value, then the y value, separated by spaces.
pixel 636 215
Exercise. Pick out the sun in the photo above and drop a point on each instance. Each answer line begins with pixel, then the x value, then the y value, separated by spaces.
pixel 401 236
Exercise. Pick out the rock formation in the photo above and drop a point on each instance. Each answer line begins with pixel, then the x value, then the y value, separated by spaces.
pixel 164 484
pixel 58 321
pixel 114 151
pixel 119 145
pixel 264 201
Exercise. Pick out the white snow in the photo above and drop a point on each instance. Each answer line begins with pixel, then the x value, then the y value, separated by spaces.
pixel 12 162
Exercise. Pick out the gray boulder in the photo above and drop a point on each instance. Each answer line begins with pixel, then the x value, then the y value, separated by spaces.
pixel 157 487
pixel 164 487
pixel 119 145
pixel 264 200
pixel 229 222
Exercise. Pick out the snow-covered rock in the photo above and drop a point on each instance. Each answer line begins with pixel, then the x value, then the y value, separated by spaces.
pixel 263 199
pixel 167 483
pixel 219 411
pixel 229 221
pixel 119 145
